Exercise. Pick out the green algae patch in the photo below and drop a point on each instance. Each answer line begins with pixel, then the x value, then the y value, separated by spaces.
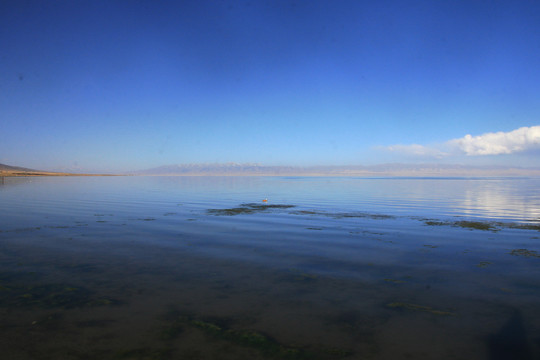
pixel 19 230
pixel 303 277
pixel 228 330
pixel 483 264
pixel 231 211
pixel 415 307
pixel 436 223
pixel 524 252
pixel 473 225
pixel 172 331
pixel 482 225
pixel 259 341
pixel 477 225
pixel 219 329
pixel 207 326
pixel 79 268
pixel 394 281
pixel 144 354
pixel 524 226
pixel 344 215
pixel 222 329
pixel 51 296
pixel 308 212
pixel 363 215
pixel 336 352
pixel 248 209
pixel 297 275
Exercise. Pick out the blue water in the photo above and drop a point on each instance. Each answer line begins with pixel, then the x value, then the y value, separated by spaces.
pixel 327 268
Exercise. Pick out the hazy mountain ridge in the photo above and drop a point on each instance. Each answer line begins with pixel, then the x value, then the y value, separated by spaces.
pixel 253 169
pixel 8 170
pixel 4 167
pixel 235 169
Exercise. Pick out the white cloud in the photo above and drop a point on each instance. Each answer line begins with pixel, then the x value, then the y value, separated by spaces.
pixel 417 150
pixel 495 143
pixel 522 139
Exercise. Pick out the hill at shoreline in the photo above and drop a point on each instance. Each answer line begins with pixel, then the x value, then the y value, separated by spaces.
pixel 8 170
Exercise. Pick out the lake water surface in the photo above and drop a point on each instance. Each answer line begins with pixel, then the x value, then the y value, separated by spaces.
pixel 327 268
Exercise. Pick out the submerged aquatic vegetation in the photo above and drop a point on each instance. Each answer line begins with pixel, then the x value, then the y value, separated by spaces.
pixel 144 353
pixel 395 281
pixel 482 225
pixel 248 208
pixel 415 307
pixel 219 329
pixel 300 276
pixel 524 252
pixel 207 326
pixel 48 296
pixel 222 329
pixel 478 225
pixel 524 226
pixel 51 296
pixel 343 215
pixel 308 212
pixel 483 264
pixel 79 268
pixel 436 223
pixel 363 215
pixel 19 230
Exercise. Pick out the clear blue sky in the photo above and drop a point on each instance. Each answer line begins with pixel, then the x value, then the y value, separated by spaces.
pixel 125 85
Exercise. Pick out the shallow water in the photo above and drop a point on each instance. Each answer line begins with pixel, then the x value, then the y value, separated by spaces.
pixel 201 268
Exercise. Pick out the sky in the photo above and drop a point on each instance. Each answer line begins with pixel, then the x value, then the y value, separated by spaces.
pixel 126 85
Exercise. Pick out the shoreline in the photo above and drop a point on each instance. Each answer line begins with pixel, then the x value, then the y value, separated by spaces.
pixel 359 175
pixel 44 173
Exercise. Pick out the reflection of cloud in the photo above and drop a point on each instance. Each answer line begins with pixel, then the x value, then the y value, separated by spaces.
pixel 518 140
pixel 494 143
pixel 417 150
pixel 496 199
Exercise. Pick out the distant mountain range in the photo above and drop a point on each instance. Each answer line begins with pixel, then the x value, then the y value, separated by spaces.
pixel 235 169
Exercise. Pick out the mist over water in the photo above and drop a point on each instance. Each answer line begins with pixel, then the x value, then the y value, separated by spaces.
pixel 327 268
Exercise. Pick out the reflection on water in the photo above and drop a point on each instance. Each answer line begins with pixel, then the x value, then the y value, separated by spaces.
pixel 491 198
pixel 511 341
pixel 514 199
pixel 329 268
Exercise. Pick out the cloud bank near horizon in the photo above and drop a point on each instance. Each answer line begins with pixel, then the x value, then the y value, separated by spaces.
pixel 493 143
pixel 519 140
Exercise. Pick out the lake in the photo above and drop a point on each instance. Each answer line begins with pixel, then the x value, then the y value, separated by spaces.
pixel 326 268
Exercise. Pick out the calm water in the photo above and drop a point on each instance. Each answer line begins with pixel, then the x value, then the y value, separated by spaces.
pixel 328 268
